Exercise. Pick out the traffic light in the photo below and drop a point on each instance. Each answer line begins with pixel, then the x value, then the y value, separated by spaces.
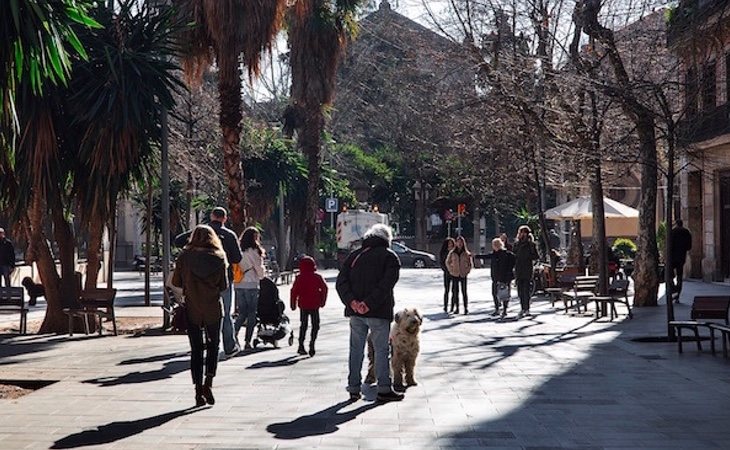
pixel 461 209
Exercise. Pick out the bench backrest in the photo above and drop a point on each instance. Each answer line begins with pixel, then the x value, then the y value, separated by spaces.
pixel 12 296
pixel 102 296
pixel 711 307
pixel 585 283
pixel 620 285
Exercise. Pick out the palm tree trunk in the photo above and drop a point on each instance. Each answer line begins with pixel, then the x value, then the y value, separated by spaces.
pixel 229 91
pixel 310 142
pixel 93 254
pixel 646 277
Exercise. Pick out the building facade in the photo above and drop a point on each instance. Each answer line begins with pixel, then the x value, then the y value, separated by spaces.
pixel 699 35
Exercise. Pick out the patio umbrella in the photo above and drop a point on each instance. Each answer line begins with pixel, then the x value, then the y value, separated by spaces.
pixel 582 208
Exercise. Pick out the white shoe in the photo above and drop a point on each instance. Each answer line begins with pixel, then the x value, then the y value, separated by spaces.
pixel 521 314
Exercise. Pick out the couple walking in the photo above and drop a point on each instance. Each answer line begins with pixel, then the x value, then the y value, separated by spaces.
pixel 513 265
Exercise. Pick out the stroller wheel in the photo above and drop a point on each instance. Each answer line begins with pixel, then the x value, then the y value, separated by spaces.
pixel 291 339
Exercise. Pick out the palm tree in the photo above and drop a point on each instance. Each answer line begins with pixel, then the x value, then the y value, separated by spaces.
pixel 34 35
pixel 318 33
pixel 229 31
pixel 81 144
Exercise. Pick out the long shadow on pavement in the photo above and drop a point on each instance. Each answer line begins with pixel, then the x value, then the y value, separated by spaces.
pixel 288 361
pixel 115 431
pixel 326 421
pixel 11 346
pixel 166 371
pixel 155 358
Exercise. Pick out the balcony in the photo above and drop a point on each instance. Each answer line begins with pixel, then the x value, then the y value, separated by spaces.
pixel 705 126
pixel 688 16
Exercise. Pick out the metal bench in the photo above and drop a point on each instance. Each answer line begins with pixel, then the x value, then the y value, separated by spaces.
pixel 724 335
pixel 704 308
pixel 618 292
pixel 584 287
pixel 94 303
pixel 12 299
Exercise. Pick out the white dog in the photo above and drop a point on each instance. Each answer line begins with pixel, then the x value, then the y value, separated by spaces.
pixel 405 344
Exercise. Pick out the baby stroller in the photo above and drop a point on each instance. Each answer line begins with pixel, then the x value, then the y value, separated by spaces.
pixel 272 324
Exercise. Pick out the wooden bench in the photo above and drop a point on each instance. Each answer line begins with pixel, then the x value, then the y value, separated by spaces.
pixel 12 299
pixel 93 303
pixel 704 308
pixel 724 335
pixel 618 292
pixel 584 287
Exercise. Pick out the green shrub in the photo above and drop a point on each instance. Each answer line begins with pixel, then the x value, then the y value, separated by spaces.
pixel 624 248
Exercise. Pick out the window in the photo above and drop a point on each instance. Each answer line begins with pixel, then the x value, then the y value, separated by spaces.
pixel 709 87
pixel 398 248
pixel 690 92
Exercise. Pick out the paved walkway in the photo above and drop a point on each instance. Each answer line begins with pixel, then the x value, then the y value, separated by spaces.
pixel 552 381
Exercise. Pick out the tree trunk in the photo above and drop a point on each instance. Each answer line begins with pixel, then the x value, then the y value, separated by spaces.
pixel 668 275
pixel 148 244
pixel 310 145
pixel 93 254
pixel 646 277
pixel 229 90
pixel 599 227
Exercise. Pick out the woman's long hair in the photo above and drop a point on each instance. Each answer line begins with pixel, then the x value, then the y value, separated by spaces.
pixel 445 245
pixel 248 240
pixel 204 237
pixel 463 241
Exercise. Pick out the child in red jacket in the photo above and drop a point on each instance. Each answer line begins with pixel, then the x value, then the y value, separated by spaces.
pixel 310 292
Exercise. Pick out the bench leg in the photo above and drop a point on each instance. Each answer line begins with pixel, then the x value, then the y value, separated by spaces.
pixel 697 336
pixel 631 314
pixel 100 320
pixel 86 324
pixel 712 341
pixel 70 325
pixel 725 340
pixel 114 322
pixel 679 339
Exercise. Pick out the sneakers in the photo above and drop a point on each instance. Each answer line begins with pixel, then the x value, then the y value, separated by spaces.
pixel 495 313
pixel 390 396
pixel 521 314
pixel 236 350
pixel 354 396
pixel 503 315
pixel 301 350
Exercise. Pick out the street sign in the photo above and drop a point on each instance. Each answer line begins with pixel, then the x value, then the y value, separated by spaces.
pixel 331 205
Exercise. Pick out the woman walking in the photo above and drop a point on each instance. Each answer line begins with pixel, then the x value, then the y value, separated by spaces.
pixel 459 263
pixel 503 262
pixel 201 272
pixel 247 290
pixel 525 257
pixel 446 247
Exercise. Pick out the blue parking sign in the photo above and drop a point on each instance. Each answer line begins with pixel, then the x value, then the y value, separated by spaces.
pixel 330 205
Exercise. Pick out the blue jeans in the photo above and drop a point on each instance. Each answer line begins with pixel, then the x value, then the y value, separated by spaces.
pixel 247 302
pixel 229 339
pixel 380 330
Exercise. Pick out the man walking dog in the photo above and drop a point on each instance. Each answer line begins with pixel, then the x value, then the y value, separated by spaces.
pixel 365 286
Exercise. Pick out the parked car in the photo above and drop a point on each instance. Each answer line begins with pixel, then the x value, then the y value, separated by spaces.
pixel 413 258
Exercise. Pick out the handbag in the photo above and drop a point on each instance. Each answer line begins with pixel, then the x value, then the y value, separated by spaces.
pixel 503 291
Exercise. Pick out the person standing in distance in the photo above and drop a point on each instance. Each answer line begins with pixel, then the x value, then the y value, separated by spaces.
pixel 365 286
pixel 525 256
pixel 681 244
pixel 229 240
pixel 7 258
pixel 446 247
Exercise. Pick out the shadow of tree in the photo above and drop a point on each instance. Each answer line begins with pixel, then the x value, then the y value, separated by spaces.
pixel 155 358
pixel 289 361
pixel 322 422
pixel 116 431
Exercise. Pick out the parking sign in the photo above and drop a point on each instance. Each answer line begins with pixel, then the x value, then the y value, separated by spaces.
pixel 330 205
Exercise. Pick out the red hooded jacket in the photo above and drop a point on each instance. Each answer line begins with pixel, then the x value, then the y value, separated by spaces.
pixel 309 290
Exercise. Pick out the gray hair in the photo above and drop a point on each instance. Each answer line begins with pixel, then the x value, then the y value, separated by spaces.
pixel 382 231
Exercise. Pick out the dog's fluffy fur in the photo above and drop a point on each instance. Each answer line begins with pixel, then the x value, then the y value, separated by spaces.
pixel 405 343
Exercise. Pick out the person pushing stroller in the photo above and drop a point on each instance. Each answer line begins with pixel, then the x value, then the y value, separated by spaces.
pixel 310 293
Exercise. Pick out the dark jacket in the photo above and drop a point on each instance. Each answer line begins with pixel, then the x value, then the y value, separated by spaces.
pixel 7 253
pixel 443 254
pixel 681 244
pixel 525 257
pixel 370 274
pixel 309 290
pixel 503 262
pixel 202 276
pixel 228 238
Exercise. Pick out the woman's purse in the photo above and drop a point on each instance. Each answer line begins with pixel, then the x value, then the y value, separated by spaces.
pixel 503 291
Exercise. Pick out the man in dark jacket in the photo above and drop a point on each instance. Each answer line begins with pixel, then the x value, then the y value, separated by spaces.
pixel 525 256
pixel 681 244
pixel 503 263
pixel 7 258
pixel 232 248
pixel 365 286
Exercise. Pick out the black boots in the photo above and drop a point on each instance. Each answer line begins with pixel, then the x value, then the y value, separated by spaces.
pixel 205 392
pixel 199 399
pixel 311 348
pixel 301 350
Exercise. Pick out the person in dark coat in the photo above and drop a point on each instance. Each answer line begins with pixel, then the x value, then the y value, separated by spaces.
pixel 525 256
pixel 201 272
pixel 7 258
pixel 503 263
pixel 446 247
pixel 229 241
pixel 681 244
pixel 309 292
pixel 365 286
